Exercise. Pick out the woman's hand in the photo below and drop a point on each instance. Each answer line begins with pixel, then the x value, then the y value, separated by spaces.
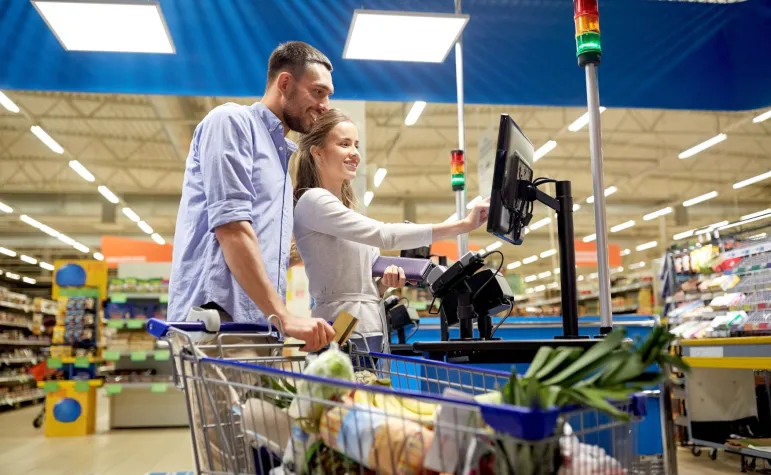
pixel 393 277
pixel 478 215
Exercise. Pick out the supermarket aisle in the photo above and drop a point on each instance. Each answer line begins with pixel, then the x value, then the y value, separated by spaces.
pixel 25 451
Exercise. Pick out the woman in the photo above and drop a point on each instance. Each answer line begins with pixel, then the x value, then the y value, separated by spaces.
pixel 338 245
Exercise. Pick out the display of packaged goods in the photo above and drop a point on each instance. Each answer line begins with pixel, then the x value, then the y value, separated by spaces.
pixel 727 300
pixel 13 298
pixel 143 311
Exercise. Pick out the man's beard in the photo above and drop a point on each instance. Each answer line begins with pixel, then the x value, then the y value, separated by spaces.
pixel 292 118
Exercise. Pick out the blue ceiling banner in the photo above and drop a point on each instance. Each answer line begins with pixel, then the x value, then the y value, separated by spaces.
pixel 656 54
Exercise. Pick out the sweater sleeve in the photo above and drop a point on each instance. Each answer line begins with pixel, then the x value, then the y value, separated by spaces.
pixel 321 211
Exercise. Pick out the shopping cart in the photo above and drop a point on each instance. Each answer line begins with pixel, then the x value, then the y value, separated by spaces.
pixel 258 413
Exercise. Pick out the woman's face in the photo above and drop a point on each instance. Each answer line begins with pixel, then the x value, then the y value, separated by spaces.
pixel 339 158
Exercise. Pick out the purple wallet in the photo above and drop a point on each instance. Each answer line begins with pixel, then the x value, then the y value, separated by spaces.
pixel 416 270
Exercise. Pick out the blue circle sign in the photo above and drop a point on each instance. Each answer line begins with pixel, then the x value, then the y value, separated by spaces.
pixel 67 410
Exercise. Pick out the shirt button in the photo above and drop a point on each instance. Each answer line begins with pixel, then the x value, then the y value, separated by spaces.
pixel 281 149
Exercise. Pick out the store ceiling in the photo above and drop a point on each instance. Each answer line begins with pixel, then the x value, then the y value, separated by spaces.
pixel 137 145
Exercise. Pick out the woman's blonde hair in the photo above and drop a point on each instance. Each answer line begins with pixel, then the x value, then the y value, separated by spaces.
pixel 307 175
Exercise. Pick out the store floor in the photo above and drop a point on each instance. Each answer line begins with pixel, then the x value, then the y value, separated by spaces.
pixel 26 451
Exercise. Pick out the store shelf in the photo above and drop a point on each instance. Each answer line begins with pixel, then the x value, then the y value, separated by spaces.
pixel 30 397
pixel 735 353
pixel 16 306
pixel 20 378
pixel 19 360
pixel 136 355
pixel 27 325
pixel 593 295
pixel 120 297
pixel 130 323
pixel 25 342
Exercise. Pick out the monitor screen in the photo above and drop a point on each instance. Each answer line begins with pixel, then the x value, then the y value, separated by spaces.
pixel 513 164
pixel 419 253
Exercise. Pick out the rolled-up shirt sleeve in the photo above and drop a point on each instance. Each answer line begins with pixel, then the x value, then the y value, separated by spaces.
pixel 226 155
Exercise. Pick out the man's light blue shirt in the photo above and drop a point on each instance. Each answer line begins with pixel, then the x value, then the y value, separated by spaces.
pixel 236 171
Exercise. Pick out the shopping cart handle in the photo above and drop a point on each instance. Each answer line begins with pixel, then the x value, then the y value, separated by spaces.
pixel 159 328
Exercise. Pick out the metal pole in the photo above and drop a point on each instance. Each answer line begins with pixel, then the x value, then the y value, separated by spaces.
pixel 460 196
pixel 567 260
pixel 600 222
pixel 667 424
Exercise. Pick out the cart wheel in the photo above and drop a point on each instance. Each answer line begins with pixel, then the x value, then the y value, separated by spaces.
pixel 713 454
pixel 696 451
pixel 38 422
pixel 753 463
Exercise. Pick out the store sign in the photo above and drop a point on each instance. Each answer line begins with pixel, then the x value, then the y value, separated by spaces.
pixel 586 254
pixel 486 162
pixel 84 278
pixel 118 250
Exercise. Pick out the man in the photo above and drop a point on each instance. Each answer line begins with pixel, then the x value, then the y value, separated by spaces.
pixel 234 226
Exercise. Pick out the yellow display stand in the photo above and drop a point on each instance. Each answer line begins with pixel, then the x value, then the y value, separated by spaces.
pixel 70 407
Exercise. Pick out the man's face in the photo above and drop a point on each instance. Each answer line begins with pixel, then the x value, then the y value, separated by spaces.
pixel 307 97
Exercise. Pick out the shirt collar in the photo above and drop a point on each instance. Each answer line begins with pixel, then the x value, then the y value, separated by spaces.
pixel 273 123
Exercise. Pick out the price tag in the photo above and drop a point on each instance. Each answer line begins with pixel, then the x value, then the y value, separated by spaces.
pixel 54 363
pixel 159 387
pixel 82 362
pixel 706 352
pixel 115 323
pixel 81 386
pixel 164 298
pixel 111 355
pixel 162 355
pixel 113 388
pixel 135 324
pixel 51 386
pixel 118 298
pixel 138 355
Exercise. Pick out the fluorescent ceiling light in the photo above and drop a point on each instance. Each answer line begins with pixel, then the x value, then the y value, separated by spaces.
pixel 107 25
pixel 145 227
pixel 543 150
pixel 46 139
pixel 531 278
pixel 414 114
pixel 46 265
pixel 548 253
pixel 380 175
pixel 544 275
pixel 757 237
pixel 28 260
pixel 158 239
pixel 637 265
pixel 626 252
pixel 471 203
pixel 745 221
pixel 683 235
pixel 81 170
pixel 618 269
pixel 13 276
pixel 622 226
pixel 608 191
pixel 554 285
pixel 130 214
pixel 80 247
pixel 700 199
pixel 529 290
pixel 540 223
pixel 7 252
pixel 38 225
pixel 540 288
pixel 750 181
pixel 29 280
pixel 109 195
pixel 647 245
pixel 98 256
pixel 754 215
pixel 702 146
pixel 594 275
pixel 5 208
pixel 557 271
pixel 590 238
pixel 581 122
pixel 764 116
pixel 529 260
pixel 580 278
pixel 493 246
pixel 8 103
pixel 514 265
pixel 576 207
pixel 368 196
pixel 402 36
pixel 66 239
pixel 657 214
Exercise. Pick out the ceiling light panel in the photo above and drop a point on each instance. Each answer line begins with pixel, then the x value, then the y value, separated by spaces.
pixel 112 26
pixel 402 36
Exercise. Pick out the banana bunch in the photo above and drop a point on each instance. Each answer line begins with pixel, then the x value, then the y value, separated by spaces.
pixel 403 407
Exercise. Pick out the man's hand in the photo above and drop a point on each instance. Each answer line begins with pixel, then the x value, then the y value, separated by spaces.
pixel 315 332
pixel 294 255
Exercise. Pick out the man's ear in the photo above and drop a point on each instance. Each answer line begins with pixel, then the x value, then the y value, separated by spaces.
pixel 283 81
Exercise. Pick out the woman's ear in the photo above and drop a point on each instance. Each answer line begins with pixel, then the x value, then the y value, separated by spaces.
pixel 315 152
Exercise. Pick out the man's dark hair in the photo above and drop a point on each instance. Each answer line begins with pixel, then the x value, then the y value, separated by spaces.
pixel 294 57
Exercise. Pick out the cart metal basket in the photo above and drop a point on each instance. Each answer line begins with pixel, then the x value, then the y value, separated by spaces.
pixel 252 410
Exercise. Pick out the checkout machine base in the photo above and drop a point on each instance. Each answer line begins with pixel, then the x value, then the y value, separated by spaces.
pixel 495 351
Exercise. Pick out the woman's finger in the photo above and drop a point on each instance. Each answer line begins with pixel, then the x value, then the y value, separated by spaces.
pixel 402 277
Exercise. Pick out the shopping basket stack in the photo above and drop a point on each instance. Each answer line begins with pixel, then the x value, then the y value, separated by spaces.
pixel 256 407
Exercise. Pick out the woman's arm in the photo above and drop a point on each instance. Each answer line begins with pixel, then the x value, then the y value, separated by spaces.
pixel 320 211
